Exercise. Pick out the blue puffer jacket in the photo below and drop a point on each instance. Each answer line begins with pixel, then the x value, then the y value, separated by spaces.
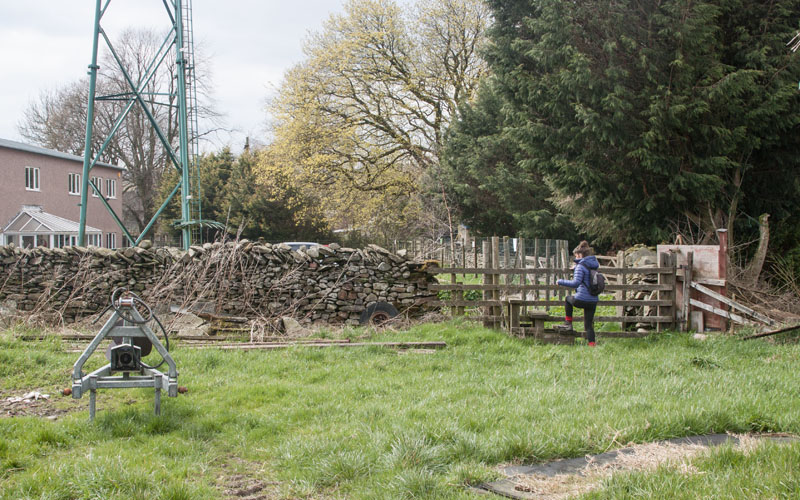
pixel 580 279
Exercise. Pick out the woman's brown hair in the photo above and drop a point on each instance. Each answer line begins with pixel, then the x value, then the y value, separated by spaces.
pixel 583 249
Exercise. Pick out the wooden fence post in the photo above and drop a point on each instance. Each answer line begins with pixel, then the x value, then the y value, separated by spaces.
pixel 523 277
pixel 687 291
pixel 505 258
pixel 487 280
pixel 674 293
pixel 464 254
pixel 497 310
pixel 664 260
pixel 455 294
pixel 621 280
pixel 536 294
pixel 547 271
pixel 564 266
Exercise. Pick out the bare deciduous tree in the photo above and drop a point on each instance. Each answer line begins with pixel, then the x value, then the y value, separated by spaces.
pixel 57 120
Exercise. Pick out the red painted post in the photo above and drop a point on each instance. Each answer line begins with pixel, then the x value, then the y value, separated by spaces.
pixel 722 235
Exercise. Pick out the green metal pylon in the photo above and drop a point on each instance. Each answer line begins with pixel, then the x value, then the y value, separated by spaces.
pixel 178 12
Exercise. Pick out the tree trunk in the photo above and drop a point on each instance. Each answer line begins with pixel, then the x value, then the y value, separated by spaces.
pixel 733 208
pixel 753 270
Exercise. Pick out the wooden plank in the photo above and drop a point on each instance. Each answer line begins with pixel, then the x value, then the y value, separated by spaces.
pixel 717 311
pixel 775 332
pixel 246 344
pixel 205 338
pixel 492 287
pixel 615 319
pixel 543 270
pixel 702 281
pixel 601 303
pixel 579 319
pixel 482 318
pixel 542 303
pixel 392 345
pixel 735 305
pixel 466 303
pixel 623 334
pixel 529 332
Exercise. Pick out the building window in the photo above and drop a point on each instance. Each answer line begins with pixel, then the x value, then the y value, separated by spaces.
pixel 94 240
pixel 111 240
pixel 98 183
pixel 31 178
pixel 111 188
pixel 74 183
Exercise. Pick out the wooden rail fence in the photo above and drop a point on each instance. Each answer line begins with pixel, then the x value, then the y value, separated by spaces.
pixel 468 251
pixel 534 289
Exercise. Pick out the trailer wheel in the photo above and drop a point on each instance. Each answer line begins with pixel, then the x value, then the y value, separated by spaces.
pixel 377 314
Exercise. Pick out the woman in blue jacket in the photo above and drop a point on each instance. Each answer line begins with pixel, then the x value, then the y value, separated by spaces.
pixel 584 262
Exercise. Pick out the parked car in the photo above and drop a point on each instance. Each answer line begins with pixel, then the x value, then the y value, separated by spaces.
pixel 297 245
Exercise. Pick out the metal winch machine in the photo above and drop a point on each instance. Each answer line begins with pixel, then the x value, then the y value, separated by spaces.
pixel 133 339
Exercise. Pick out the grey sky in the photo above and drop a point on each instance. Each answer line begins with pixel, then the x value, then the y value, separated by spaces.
pixel 250 43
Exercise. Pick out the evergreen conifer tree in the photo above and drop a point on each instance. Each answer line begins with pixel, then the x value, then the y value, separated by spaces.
pixel 643 116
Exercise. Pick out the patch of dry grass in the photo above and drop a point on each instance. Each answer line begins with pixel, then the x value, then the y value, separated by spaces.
pixel 637 457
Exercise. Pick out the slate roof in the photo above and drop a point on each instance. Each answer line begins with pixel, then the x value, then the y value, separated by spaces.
pixel 20 146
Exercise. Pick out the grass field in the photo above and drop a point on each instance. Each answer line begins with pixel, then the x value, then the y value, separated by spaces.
pixel 374 423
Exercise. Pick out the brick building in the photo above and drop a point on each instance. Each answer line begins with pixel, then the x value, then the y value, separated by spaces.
pixel 40 195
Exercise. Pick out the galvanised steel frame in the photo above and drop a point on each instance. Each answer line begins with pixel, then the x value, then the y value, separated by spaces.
pixel 103 378
pixel 137 96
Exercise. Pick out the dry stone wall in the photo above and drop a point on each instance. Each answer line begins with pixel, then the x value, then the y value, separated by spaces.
pixel 327 284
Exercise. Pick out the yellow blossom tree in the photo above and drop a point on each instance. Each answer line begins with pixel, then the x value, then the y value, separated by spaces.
pixel 360 121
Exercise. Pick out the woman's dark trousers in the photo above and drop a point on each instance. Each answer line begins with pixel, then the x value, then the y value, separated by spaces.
pixel 588 314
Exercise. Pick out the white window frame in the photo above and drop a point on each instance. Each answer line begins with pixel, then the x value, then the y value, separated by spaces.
pixel 112 240
pixel 97 181
pixel 32 179
pixel 75 184
pixel 95 240
pixel 111 188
